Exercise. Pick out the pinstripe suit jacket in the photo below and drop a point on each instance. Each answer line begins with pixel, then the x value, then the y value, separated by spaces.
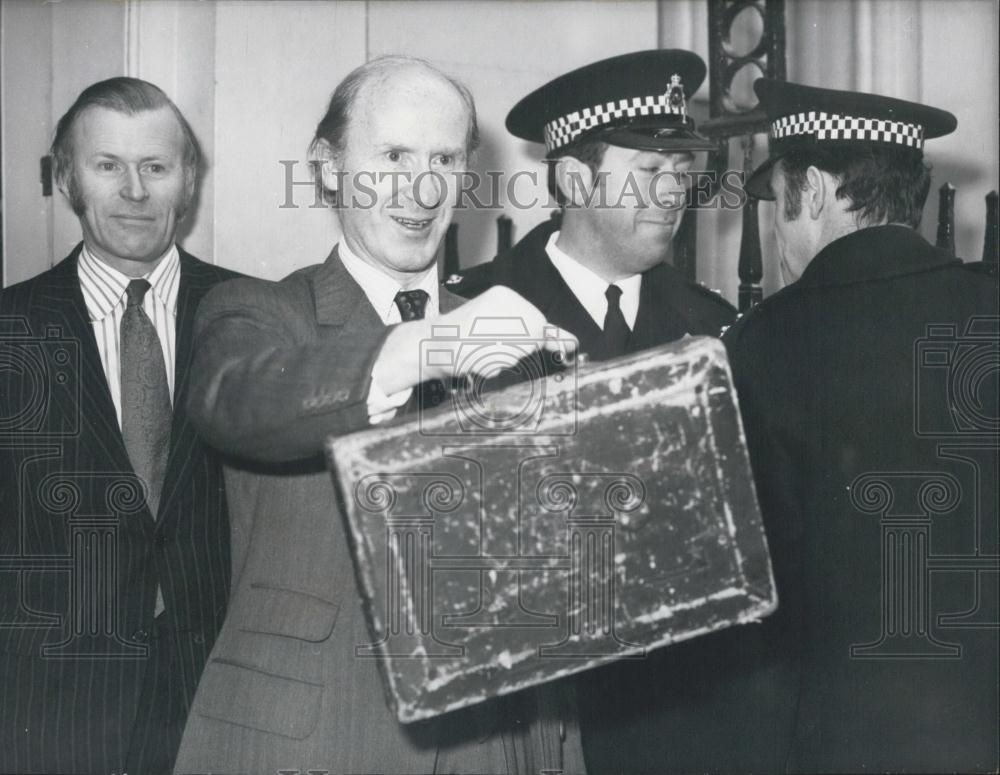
pixel 278 368
pixel 80 553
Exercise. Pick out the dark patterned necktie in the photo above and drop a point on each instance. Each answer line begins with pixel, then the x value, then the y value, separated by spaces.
pixel 613 340
pixel 146 410
pixel 412 305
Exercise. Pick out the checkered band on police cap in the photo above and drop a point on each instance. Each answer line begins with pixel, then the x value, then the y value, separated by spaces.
pixel 833 126
pixel 565 129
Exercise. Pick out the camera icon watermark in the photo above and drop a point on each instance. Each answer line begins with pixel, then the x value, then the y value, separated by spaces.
pixel 498 352
pixel 43 369
pixel 962 372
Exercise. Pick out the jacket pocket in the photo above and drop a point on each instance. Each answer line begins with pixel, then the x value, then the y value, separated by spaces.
pixel 247 696
pixel 269 610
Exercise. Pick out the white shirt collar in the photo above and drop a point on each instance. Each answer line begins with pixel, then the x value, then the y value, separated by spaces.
pixel 589 288
pixel 381 289
pixel 104 286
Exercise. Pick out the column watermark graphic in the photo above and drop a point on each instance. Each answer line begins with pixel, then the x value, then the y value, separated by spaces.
pixel 955 412
pixel 40 378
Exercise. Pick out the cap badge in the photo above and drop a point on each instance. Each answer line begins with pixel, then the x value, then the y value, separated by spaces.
pixel 675 96
pixel 563 130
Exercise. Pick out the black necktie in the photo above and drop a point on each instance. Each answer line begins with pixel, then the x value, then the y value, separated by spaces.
pixel 411 304
pixel 613 340
pixel 146 410
pixel 426 395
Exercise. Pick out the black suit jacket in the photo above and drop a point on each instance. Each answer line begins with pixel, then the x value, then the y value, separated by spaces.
pixel 669 305
pixel 80 553
pixel 874 446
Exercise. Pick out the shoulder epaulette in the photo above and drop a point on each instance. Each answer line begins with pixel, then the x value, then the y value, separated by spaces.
pixel 470 282
pixel 711 293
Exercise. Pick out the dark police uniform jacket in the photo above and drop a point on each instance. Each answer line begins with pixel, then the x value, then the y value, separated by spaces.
pixel 669 305
pixel 868 390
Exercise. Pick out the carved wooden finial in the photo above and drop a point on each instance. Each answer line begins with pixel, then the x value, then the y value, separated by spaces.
pixel 991 241
pixel 946 218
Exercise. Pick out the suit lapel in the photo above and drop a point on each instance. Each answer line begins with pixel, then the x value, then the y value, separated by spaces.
pixel 191 288
pixel 448 301
pixel 195 281
pixel 339 299
pixel 568 313
pixel 61 303
pixel 658 320
pixel 558 303
pixel 342 303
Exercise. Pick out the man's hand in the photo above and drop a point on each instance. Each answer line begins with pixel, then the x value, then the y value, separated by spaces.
pixel 489 332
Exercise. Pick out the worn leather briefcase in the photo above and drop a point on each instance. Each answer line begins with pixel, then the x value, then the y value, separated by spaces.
pixel 515 537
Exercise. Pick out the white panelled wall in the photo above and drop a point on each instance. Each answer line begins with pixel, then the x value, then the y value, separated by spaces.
pixel 253 78
pixel 173 45
pixel 50 52
pixel 276 65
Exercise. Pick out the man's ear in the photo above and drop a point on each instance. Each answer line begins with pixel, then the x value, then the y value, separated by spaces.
pixel 574 179
pixel 329 165
pixel 62 183
pixel 819 185
pixel 190 181
pixel 820 191
pixel 66 184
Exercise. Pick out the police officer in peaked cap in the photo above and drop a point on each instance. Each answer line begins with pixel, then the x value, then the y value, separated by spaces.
pixel 869 393
pixel 611 127
pixel 618 141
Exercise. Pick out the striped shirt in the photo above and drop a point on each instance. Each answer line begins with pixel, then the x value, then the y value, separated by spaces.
pixel 104 294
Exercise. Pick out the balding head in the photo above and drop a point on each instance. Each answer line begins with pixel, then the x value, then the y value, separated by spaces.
pixel 369 78
pixel 396 134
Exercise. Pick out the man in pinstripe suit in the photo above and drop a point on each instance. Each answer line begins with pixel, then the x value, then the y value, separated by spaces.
pixel 114 536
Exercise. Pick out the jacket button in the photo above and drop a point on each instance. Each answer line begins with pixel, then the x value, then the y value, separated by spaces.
pixel 161 540
pixel 198 638
pixel 140 636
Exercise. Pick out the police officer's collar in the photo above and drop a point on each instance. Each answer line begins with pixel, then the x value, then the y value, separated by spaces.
pixel 874 253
